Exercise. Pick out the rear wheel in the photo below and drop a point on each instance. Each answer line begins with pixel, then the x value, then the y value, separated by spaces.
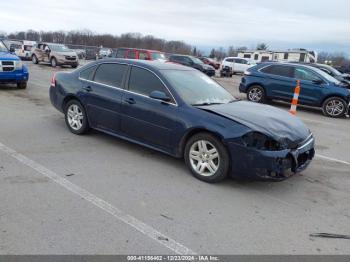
pixel 35 59
pixel 334 107
pixel 207 158
pixel 76 118
pixel 256 94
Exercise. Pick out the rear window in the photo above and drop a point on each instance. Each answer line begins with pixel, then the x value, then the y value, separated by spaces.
pixel 88 74
pixel 280 70
pixel 110 74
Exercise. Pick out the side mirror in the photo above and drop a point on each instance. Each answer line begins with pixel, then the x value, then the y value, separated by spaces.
pixel 317 82
pixel 158 95
pixel 47 51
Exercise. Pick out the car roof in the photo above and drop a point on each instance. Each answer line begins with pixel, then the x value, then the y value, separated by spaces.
pixel 262 64
pixel 155 65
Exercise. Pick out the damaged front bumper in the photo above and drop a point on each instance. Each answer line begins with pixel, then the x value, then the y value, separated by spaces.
pixel 271 165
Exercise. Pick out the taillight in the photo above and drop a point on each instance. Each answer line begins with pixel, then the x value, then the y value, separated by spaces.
pixel 53 80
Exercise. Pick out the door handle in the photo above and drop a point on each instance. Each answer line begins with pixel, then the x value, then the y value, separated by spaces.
pixel 130 100
pixel 87 89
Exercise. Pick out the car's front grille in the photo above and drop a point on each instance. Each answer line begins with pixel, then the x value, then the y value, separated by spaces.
pixel 72 58
pixel 7 66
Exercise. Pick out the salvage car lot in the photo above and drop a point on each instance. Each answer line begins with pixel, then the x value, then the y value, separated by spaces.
pixel 233 217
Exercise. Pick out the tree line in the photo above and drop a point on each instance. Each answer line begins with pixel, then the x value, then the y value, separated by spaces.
pixel 88 38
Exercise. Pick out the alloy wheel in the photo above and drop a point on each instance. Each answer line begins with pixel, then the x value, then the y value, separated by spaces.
pixel 335 107
pixel 75 117
pixel 255 94
pixel 204 158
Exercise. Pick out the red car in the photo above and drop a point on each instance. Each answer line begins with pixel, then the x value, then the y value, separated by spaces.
pixel 135 53
pixel 209 61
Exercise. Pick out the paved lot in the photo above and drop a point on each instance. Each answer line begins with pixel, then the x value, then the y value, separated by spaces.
pixel 95 194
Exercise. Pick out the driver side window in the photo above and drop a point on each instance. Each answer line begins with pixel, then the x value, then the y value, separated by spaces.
pixel 304 74
pixel 144 82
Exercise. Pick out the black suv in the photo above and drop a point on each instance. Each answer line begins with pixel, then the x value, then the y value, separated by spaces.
pixel 194 62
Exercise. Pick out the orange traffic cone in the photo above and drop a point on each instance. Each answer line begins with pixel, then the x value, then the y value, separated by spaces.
pixel 293 107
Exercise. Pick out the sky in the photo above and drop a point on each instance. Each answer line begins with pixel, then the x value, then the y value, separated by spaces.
pixel 282 24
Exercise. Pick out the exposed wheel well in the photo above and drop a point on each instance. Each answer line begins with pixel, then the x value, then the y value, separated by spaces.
pixel 67 99
pixel 192 133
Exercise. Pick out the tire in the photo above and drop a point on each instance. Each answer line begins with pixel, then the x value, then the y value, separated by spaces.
pixel 213 166
pixel 22 85
pixel 334 107
pixel 76 117
pixel 256 94
pixel 53 62
pixel 35 59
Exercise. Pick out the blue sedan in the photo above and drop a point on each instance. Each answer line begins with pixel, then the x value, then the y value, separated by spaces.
pixel 184 113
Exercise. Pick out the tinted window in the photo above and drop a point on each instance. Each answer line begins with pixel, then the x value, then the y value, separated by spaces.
pixel 110 74
pixel 247 56
pixel 280 70
pixel 256 57
pixel 304 74
pixel 286 56
pixel 144 82
pixel 121 53
pixel 229 60
pixel 132 54
pixel 88 74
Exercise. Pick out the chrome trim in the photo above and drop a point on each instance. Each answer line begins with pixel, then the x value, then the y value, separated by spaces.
pixel 7 66
pixel 306 144
pixel 119 88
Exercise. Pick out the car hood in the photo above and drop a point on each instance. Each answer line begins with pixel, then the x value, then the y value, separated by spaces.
pixel 208 67
pixel 8 56
pixel 273 122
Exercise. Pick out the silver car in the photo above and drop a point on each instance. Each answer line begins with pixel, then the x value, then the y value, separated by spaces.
pixel 55 54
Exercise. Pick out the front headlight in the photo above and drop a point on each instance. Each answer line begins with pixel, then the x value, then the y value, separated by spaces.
pixel 18 65
pixel 261 142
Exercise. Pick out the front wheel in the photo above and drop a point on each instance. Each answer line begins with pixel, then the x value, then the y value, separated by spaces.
pixel 334 107
pixel 207 158
pixel 76 118
pixel 256 94
pixel 22 85
pixel 53 62
pixel 35 59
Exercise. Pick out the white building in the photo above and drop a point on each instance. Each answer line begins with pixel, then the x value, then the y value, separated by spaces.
pixel 292 55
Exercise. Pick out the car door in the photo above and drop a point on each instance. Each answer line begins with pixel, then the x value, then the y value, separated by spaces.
pixel 39 52
pixel 102 91
pixel 279 81
pixel 311 85
pixel 146 119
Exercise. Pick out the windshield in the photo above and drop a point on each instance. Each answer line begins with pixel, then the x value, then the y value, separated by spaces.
pixel 195 88
pixel 158 56
pixel 59 48
pixel 196 60
pixel 3 48
pixel 327 76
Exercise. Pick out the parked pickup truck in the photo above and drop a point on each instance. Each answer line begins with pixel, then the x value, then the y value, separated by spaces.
pixel 11 68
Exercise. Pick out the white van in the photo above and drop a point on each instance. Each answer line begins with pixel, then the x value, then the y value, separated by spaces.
pixel 25 51
pixel 237 64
